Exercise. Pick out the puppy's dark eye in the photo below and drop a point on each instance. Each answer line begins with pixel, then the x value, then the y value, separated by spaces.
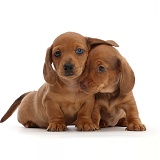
pixel 101 69
pixel 57 54
pixel 79 51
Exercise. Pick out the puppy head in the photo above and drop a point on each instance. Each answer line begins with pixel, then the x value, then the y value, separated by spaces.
pixel 68 54
pixel 106 71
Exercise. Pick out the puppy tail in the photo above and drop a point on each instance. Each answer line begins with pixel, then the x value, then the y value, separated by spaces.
pixel 13 107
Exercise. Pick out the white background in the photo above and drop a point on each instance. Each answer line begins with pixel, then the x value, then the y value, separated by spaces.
pixel 27 28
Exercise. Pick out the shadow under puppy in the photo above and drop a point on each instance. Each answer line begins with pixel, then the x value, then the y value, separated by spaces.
pixel 109 76
pixel 59 102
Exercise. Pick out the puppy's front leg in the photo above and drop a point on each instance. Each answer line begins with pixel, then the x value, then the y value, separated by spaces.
pixel 55 116
pixel 132 115
pixel 96 115
pixel 84 122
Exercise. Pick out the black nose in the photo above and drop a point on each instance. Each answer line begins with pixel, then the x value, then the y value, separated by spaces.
pixel 68 69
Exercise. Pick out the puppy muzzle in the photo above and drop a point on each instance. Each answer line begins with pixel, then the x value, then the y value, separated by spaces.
pixel 68 69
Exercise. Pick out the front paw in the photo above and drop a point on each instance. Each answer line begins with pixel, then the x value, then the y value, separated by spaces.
pixel 86 126
pixel 56 127
pixel 136 127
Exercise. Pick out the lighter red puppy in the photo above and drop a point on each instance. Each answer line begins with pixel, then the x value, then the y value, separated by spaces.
pixel 109 76
pixel 59 102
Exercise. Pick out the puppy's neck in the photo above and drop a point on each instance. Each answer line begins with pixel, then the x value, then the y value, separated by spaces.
pixel 114 94
pixel 70 84
pixel 107 95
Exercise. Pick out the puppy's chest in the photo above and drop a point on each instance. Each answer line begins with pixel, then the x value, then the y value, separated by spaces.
pixel 71 107
pixel 72 97
pixel 107 101
pixel 71 102
pixel 110 110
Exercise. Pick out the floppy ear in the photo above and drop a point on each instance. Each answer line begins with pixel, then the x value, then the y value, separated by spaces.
pixel 127 79
pixel 112 43
pixel 91 42
pixel 95 41
pixel 48 72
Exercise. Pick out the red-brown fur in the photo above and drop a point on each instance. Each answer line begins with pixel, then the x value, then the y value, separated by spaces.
pixel 109 76
pixel 59 102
